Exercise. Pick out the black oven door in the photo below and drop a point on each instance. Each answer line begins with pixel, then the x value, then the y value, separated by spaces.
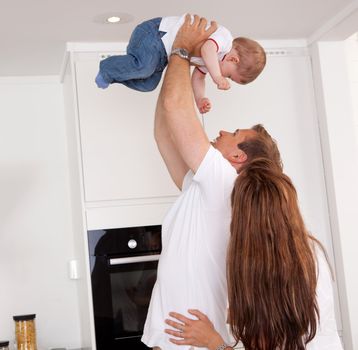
pixel 122 289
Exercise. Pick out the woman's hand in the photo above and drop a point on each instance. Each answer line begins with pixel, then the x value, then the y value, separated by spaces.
pixel 198 332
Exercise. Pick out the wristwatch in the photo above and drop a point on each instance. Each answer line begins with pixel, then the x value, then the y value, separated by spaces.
pixel 182 53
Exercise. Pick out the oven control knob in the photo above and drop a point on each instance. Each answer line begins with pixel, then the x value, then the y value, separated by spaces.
pixel 132 243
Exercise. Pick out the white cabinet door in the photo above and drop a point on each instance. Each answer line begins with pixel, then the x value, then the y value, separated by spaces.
pixel 119 154
pixel 282 99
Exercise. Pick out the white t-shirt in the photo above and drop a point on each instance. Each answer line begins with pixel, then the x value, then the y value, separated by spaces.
pixel 327 337
pixel 192 266
pixel 222 37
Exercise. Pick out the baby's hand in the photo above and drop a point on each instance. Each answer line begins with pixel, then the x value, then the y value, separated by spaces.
pixel 222 83
pixel 204 105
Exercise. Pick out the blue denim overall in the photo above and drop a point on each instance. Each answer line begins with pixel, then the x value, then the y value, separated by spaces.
pixel 142 67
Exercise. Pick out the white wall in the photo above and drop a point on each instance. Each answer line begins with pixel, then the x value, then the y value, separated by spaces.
pixel 35 228
pixel 352 60
pixel 340 154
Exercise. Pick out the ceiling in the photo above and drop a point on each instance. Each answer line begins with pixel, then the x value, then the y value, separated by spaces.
pixel 33 33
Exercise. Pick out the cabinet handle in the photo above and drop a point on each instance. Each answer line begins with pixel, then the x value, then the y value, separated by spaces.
pixel 134 259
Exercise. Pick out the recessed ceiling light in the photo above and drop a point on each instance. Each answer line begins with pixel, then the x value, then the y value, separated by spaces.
pixel 113 19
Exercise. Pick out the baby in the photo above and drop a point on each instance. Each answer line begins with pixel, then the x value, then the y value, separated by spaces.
pixel 240 60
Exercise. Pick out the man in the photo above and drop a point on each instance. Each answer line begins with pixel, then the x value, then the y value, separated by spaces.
pixel 195 232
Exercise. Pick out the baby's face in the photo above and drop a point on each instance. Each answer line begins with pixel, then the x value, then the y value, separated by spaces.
pixel 233 74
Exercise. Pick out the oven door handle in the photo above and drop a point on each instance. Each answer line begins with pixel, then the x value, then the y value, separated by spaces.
pixel 134 259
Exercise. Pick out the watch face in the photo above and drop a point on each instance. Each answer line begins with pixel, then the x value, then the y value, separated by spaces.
pixel 183 52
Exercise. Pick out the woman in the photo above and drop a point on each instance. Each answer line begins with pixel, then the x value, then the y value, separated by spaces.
pixel 279 283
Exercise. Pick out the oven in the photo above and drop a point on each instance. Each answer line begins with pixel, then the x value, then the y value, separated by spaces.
pixel 123 272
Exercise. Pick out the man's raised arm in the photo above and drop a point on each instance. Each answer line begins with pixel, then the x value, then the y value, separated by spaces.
pixel 176 104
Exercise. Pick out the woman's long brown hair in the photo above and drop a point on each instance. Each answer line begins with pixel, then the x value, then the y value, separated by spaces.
pixel 271 268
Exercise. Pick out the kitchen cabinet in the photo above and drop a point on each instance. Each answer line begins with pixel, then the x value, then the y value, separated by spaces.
pixel 119 156
pixel 116 174
pixel 282 99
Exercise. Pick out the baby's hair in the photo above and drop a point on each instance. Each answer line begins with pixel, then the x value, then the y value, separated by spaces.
pixel 252 58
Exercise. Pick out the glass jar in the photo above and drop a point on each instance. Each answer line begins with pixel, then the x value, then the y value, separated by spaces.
pixel 25 332
pixel 4 345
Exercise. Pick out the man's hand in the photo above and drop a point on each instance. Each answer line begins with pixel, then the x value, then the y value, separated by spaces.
pixel 204 105
pixel 192 35
pixel 222 83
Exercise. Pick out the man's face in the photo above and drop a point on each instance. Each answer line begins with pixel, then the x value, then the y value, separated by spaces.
pixel 227 142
